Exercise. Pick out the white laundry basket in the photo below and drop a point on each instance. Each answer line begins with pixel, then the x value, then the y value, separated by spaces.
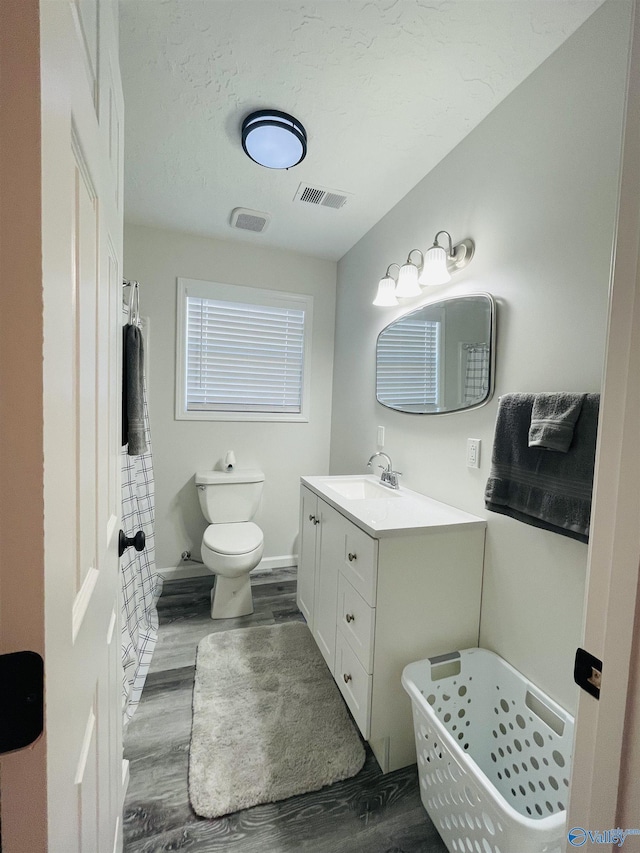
pixel 494 754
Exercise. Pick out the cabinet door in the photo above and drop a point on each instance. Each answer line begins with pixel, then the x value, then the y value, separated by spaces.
pixel 307 561
pixel 330 553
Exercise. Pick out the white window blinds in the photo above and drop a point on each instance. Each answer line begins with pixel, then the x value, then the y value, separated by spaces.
pixel 408 365
pixel 243 357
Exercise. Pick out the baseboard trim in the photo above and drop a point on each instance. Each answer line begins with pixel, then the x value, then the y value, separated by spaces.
pixel 197 570
pixel 184 570
pixel 268 564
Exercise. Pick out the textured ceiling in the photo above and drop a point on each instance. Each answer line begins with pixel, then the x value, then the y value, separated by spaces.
pixel 384 89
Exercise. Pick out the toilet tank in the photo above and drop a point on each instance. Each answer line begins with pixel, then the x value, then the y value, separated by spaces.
pixel 226 497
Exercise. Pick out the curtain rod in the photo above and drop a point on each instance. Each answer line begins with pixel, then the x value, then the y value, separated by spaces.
pixel 128 283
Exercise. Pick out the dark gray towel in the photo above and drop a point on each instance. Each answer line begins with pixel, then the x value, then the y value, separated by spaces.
pixel 553 419
pixel 133 391
pixel 548 490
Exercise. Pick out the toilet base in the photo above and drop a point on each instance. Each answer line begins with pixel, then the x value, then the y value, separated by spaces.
pixel 231 597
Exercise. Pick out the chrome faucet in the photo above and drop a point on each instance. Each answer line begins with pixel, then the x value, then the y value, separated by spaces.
pixel 389 477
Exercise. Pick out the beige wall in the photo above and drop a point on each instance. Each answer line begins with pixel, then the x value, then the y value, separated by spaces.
pixel 284 451
pixel 21 407
pixel 535 186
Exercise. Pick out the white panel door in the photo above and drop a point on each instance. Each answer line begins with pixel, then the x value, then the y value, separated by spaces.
pixel 82 116
pixel 599 791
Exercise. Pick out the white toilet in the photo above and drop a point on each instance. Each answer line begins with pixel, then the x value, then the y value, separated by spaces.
pixel 232 544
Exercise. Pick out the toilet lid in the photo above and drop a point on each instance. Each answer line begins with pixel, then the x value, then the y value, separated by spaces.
pixel 235 538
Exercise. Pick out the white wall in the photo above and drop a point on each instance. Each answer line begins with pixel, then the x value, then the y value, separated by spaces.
pixel 535 186
pixel 284 451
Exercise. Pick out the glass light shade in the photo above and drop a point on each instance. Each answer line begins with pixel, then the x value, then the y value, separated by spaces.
pixel 386 292
pixel 435 267
pixel 274 139
pixel 408 281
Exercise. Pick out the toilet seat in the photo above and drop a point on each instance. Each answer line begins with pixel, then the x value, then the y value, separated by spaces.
pixel 233 538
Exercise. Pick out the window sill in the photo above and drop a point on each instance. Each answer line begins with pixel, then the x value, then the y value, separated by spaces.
pixel 258 417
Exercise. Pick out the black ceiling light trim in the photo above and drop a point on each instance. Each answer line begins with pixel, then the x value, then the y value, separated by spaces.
pixel 274 139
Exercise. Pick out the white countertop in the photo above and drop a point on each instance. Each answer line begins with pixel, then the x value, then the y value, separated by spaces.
pixel 393 511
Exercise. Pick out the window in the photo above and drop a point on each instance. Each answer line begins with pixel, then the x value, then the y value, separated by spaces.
pixel 408 365
pixel 243 353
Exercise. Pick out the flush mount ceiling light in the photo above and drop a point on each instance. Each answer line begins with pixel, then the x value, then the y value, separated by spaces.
pixel 386 294
pixel 439 262
pixel 274 139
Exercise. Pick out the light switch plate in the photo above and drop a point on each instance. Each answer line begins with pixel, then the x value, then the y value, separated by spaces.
pixel 380 437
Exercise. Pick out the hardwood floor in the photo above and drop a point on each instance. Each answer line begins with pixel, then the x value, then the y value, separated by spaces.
pixel 370 813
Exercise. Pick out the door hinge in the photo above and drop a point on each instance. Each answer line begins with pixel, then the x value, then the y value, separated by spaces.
pixel 587 672
pixel 21 699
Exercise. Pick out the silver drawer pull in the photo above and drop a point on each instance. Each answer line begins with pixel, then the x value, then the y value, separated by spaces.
pixel 347 678
pixel 350 617
pixel 352 557
pixel 314 519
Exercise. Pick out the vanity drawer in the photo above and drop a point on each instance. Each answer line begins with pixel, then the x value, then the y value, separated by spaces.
pixel 356 621
pixel 354 683
pixel 360 565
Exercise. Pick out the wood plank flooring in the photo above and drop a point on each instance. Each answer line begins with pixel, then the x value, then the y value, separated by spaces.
pixel 370 813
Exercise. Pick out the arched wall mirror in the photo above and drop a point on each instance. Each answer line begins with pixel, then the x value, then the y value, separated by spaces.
pixel 439 358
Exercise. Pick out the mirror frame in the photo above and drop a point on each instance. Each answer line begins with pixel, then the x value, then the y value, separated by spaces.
pixel 492 351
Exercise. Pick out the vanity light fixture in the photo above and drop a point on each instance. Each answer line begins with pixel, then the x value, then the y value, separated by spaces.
pixel 386 294
pixel 274 139
pixel 440 262
pixel 408 277
pixel 434 267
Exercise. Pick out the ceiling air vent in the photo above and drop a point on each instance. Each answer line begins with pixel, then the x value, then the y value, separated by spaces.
pixel 321 196
pixel 250 220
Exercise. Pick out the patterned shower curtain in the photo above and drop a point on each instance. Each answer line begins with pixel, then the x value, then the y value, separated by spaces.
pixel 141 586
pixel 476 372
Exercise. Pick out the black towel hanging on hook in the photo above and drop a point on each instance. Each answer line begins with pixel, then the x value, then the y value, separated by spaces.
pixel 133 432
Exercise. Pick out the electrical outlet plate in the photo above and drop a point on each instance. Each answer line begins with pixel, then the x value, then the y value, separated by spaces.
pixel 473 453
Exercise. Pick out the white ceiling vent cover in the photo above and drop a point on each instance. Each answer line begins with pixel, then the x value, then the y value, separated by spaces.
pixel 250 220
pixel 321 196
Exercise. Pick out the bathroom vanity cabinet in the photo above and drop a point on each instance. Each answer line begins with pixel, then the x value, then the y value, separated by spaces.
pixel 379 593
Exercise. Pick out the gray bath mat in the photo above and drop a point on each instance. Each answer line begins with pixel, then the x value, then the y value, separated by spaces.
pixel 268 720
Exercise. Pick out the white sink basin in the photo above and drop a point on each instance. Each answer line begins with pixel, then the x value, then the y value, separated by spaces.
pixel 360 489
pixel 381 511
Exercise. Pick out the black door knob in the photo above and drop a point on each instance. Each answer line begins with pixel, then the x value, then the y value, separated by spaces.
pixel 125 541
